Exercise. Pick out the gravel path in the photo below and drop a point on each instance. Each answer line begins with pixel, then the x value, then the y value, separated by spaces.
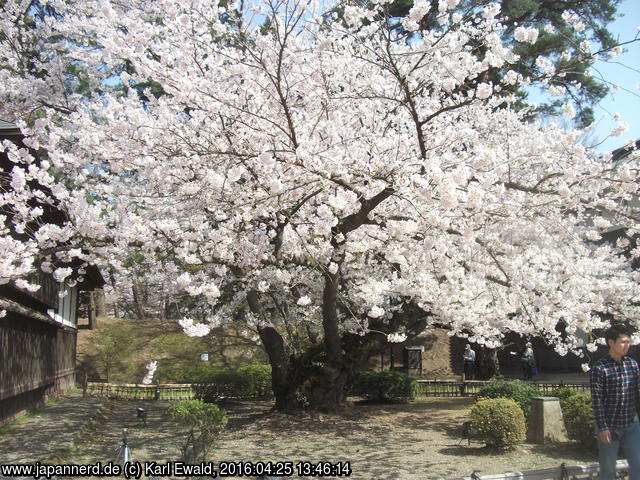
pixel 418 441
pixel 157 441
pixel 47 433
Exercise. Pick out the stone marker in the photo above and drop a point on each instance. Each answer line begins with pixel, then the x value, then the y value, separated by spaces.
pixel 546 424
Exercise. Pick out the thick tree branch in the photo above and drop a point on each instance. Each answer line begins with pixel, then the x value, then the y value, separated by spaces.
pixel 356 220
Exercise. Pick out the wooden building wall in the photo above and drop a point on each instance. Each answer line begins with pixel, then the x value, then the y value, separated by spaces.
pixel 38 333
pixel 37 359
pixel 435 349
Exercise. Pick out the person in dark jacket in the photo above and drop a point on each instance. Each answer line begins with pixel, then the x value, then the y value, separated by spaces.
pixel 469 357
pixel 528 362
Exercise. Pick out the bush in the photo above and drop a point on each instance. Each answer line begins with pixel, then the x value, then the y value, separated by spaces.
pixel 499 422
pixel 246 382
pixel 563 393
pixel 520 392
pixel 578 418
pixel 387 386
pixel 204 421
pixel 258 379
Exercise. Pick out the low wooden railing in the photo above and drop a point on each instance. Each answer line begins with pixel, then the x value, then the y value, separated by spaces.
pixel 458 388
pixel 577 472
pixel 141 392
pixel 427 388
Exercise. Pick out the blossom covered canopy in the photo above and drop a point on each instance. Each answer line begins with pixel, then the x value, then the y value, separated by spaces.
pixel 277 158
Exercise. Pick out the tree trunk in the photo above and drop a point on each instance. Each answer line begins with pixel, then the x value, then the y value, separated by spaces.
pixel 137 302
pixel 92 310
pixel 100 303
pixel 113 285
pixel 321 377
pixel 489 365
pixel 326 391
pixel 278 358
pixel 281 371
pixel 303 381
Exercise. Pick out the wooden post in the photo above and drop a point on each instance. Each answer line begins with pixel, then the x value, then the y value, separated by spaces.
pixel 91 310
pixel 101 309
pixel 84 379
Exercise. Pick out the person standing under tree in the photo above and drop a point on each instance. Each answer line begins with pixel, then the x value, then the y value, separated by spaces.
pixel 469 357
pixel 614 395
pixel 528 362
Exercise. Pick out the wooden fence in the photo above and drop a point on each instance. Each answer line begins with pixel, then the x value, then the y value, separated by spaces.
pixel 457 388
pixel 427 388
pixel 577 472
pixel 141 392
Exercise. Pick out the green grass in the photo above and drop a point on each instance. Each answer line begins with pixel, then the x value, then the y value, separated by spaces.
pixel 124 348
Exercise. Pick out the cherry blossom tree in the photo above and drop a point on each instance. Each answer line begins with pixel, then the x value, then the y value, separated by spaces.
pixel 330 179
pixel 570 37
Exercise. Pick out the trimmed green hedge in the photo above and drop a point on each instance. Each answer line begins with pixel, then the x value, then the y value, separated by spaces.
pixel 248 381
pixel 578 418
pixel 388 386
pixel 499 422
pixel 520 392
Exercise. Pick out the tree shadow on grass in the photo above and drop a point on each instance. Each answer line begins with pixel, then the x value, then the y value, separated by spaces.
pixel 241 414
pixel 434 413
pixel 563 449
pixel 463 450
pixel 364 429
pixel 159 440
pixel 46 431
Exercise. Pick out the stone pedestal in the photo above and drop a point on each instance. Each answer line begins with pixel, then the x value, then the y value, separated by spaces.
pixel 546 424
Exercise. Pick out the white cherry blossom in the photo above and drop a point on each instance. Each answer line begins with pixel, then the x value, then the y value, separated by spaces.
pixel 299 160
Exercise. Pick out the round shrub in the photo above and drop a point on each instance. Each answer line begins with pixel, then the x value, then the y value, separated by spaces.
pixel 578 418
pixel 389 386
pixel 520 392
pixel 499 422
pixel 199 415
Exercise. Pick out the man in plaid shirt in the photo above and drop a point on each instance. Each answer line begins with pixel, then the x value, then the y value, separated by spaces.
pixel 615 398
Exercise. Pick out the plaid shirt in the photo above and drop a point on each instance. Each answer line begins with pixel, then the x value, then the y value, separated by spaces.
pixel 614 392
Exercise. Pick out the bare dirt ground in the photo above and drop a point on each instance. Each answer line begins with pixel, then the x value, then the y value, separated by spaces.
pixel 420 440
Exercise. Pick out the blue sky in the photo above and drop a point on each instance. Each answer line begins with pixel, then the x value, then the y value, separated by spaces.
pixel 623 71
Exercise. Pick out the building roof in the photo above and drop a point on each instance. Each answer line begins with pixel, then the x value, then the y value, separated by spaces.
pixel 8 130
pixel 4 125
pixel 623 152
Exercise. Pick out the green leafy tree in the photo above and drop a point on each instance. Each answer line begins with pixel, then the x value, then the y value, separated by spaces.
pixel 114 347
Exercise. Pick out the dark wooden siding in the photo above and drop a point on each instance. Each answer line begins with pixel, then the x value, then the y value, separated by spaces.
pixel 49 288
pixel 35 357
pixel 13 407
pixel 37 354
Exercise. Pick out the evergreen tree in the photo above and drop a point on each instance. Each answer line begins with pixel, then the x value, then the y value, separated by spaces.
pixel 572 33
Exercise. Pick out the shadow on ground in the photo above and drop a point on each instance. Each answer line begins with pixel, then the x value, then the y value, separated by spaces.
pixel 419 440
